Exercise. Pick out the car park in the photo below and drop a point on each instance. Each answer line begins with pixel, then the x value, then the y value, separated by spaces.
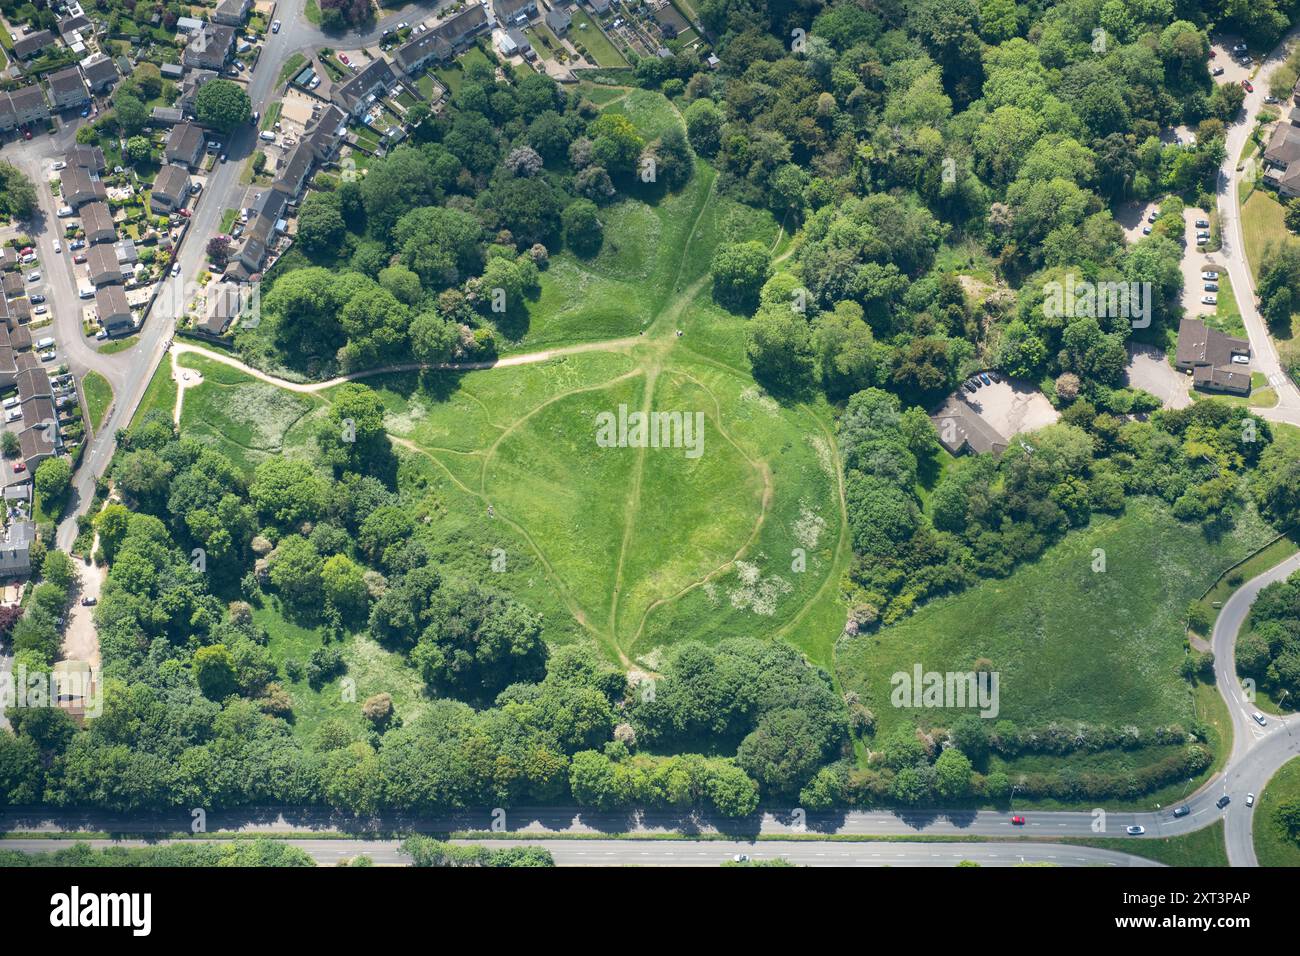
pixel 1135 830
pixel 1182 811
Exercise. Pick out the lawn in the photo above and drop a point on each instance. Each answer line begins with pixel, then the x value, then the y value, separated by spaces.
pixel 246 419
pixel 587 32
pixel 1227 315
pixel 99 395
pixel 1261 223
pixel 292 67
pixel 160 396
pixel 113 346
pixel 1068 643
pixel 1257 564
pixel 1273 845
pixel 271 115
pixel 452 76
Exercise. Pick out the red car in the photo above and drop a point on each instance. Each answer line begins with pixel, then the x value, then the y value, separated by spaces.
pixel 26 252
pixel 20 466
pixel 78 258
pixel 344 58
pixel 1248 87
pixel 1018 821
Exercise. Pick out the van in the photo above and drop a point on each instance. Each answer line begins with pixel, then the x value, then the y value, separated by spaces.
pixel 11 401
pixel 86 292
pixel 45 343
pixel 267 136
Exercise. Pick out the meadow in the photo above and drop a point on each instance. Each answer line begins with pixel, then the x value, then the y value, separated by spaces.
pixel 1273 847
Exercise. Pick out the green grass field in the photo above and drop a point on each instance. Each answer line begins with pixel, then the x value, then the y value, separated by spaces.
pixel 99 395
pixel 1203 847
pixel 1261 223
pixel 113 346
pixel 248 420
pixel 1069 643
pixel 1273 846
pixel 160 396
pixel 583 30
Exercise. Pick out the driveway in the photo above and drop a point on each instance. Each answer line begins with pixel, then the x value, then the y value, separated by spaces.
pixel 1012 407
pixel 1149 370
pixel 80 639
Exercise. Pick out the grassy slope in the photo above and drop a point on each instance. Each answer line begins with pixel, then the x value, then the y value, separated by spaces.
pixel 1204 847
pixel 1069 644
pixel 99 395
pixel 1272 845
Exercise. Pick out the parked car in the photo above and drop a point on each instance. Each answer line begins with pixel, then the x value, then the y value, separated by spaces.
pixel 37 298
pixel 223 157
pixel 196 188
pixel 984 377
pixel 740 858
pixel 1209 299
pixel 275 26
pixel 1216 71
pixel 1135 830
pixel 1248 86
pixel 267 136
pixel 58 247
pixel 1146 230
pixel 20 466
pixel 101 334
pixel 48 356
pixel 66 211
pixel 1270 100
pixel 89 601
pixel 176 268
pixel 213 146
pixel 59 165
pixel 1223 801
pixel 1241 359
pixel 1250 799
pixel 1202 224
pixel 77 244
pixel 1211 287
pixel 1182 811
pixel 79 258
pixel 13 414
pixel 40 310
pixel 343 58
pixel 1209 275
pixel 969 387
pixel 34 277
pixel 1259 718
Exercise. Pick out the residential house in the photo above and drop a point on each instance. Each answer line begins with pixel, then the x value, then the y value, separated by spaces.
pixel 113 310
pixel 23 106
pixel 358 93
pixel 326 135
pixel 12 284
pixel 209 49
pixel 961 429
pixel 20 311
pixel 170 189
pixel 224 303
pixel 259 236
pixel 513 13
pixel 191 85
pixel 442 42
pixel 190 25
pixel 232 13
pixel 1218 362
pixel 27 47
pixel 8 257
pixel 15 549
pixel 184 145
pixel 599 7
pixel 76 23
pixel 68 89
pixel 97 223
pixel 80 186
pixel 100 73
pixel 102 266
pixel 86 157
pixel 297 167
pixel 1282 157
pixel 558 20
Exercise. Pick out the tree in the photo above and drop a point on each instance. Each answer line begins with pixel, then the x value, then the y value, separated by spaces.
pixel 615 143
pixel 218 248
pixel 214 671
pixel 739 271
pixel 345 586
pixel 439 245
pixel 780 350
pixel 433 338
pixel 296 570
pixel 9 444
pixel 139 149
pixel 320 222
pixel 582 228
pixel 704 126
pixel 286 491
pixel 222 105
pixel 129 111
pixel 52 477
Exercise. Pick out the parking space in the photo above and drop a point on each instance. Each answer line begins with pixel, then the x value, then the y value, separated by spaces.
pixel 1228 62
pixel 1149 369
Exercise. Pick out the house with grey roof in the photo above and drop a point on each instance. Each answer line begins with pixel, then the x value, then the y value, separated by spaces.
pixel 209 48
pixel 97 223
pixel 29 46
pixel 24 105
pixel 360 92
pixel 961 429
pixel 100 73
pixel 1218 362
pixel 102 266
pixel 514 13
pixel 80 186
pixel 68 89
pixel 443 41
pixel 113 309
pixel 16 548
pixel 184 145
pixel 171 187
pixel 87 157
pixel 558 20
pixel 232 13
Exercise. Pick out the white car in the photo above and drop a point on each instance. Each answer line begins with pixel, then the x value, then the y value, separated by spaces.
pixel 1135 830
pixel 1217 71
pixel 59 165
pixel 1241 359
pixel 34 277
pixel 1250 799
pixel 1209 275
pixel 1209 299
pixel 48 356
pixel 176 268
pixel 275 26
pixel 57 246
pixel 66 211
pixel 1259 718
pixel 39 310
